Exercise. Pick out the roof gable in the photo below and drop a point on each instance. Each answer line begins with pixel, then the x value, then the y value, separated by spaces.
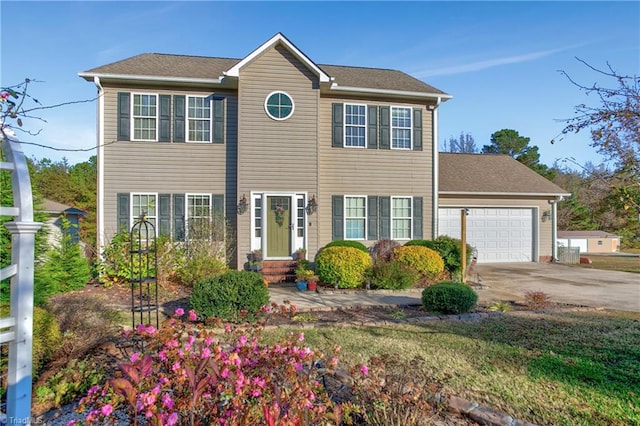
pixel 491 174
pixel 279 38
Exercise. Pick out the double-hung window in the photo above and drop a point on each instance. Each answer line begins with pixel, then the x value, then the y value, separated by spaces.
pixel 355 128
pixel 401 216
pixel 198 119
pixel 199 225
pixel 144 205
pixel 400 128
pixel 355 213
pixel 145 117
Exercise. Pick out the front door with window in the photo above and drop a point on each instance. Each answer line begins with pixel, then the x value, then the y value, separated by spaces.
pixel 278 226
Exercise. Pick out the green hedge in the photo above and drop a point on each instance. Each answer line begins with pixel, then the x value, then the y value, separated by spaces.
pixel 348 243
pixel 345 265
pixel 425 261
pixel 450 249
pixel 449 298
pixel 226 296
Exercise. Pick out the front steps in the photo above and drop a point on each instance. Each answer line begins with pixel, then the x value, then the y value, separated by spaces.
pixel 279 271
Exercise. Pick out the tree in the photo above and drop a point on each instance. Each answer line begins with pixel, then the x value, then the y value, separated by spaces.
pixel 509 142
pixel 465 143
pixel 614 125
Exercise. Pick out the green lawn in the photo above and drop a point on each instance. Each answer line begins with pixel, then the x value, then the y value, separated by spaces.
pixel 613 263
pixel 566 368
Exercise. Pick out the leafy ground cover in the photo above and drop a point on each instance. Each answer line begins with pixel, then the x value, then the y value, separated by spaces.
pixel 575 368
pixel 614 263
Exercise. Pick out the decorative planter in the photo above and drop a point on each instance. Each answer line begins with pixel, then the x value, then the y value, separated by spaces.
pixel 312 285
pixel 301 285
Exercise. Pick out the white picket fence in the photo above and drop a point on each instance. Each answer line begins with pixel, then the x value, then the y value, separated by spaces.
pixel 16 330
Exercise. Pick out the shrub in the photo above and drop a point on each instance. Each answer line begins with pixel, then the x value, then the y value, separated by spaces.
pixel 199 267
pixel 383 249
pixel 68 384
pixel 393 276
pixel 233 296
pixel 348 243
pixel 344 265
pixel 449 298
pixel 425 261
pixel 448 248
pixel 536 300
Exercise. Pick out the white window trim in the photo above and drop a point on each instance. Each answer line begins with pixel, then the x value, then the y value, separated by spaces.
pixel 132 219
pixel 344 127
pixel 344 216
pixel 266 109
pixel 186 208
pixel 133 117
pixel 186 121
pixel 395 197
pixel 391 127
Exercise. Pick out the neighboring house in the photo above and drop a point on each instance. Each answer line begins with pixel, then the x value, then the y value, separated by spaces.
pixel 56 213
pixel 590 241
pixel 294 154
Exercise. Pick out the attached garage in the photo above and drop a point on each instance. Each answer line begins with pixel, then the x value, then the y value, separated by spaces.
pixel 498 234
pixel 512 209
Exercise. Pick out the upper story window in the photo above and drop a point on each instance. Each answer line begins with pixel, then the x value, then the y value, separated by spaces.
pixel 355 214
pixel 279 105
pixel 145 120
pixel 355 128
pixel 400 128
pixel 198 119
pixel 401 216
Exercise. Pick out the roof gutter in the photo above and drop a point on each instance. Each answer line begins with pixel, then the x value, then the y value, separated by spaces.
pixel 535 194
pixel 441 97
pixel 188 80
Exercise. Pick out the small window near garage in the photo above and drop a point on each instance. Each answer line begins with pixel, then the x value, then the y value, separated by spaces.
pixel 600 242
pixel 279 105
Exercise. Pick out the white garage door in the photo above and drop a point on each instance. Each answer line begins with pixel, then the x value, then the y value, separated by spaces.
pixel 499 234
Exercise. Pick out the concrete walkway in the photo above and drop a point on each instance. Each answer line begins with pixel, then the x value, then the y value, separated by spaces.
pixel 505 281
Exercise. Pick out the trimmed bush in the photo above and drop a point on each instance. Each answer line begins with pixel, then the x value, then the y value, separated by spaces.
pixel 233 296
pixel 344 265
pixel 448 248
pixel 449 298
pixel 393 276
pixel 348 243
pixel 425 261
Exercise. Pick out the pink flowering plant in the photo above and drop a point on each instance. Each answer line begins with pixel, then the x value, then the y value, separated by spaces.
pixel 192 375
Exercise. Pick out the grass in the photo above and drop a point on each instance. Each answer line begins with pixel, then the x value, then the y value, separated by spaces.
pixel 613 263
pixel 576 368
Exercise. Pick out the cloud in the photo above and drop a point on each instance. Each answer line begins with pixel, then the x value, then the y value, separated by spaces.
pixel 489 63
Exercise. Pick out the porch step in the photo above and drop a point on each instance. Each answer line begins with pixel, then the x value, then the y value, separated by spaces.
pixel 279 271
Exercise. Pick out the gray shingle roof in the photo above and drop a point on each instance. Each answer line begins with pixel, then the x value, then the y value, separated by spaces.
pixel 585 234
pixel 181 66
pixel 489 173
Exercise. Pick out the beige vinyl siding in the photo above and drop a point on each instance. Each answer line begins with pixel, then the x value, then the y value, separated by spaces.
pixel 276 156
pixel 382 172
pixel 166 167
pixel 542 230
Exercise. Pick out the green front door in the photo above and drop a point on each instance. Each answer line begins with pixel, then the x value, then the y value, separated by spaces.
pixel 278 226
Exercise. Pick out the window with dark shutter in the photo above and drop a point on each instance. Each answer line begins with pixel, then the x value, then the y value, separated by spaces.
pixel 337 224
pixel 417 129
pixel 179 116
pixel 337 138
pixel 124 116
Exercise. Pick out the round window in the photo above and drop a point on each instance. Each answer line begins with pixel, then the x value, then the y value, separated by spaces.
pixel 279 105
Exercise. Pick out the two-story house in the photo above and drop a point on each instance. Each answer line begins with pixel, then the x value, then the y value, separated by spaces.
pixel 292 153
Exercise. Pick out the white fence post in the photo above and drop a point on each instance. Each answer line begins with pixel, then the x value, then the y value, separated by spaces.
pixel 20 321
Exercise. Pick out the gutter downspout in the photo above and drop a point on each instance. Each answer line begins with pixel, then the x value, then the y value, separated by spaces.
pixel 435 180
pixel 100 155
pixel 554 227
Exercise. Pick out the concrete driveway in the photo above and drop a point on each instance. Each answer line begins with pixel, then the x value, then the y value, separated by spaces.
pixel 563 283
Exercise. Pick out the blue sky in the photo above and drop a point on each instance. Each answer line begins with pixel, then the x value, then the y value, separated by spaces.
pixel 499 60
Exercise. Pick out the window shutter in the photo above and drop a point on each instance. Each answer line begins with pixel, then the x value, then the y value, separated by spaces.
pixel 178 217
pixel 417 129
pixel 165 119
pixel 164 214
pixel 337 206
pixel 385 218
pixel 123 211
pixel 218 216
pixel 217 114
pixel 385 128
pixel 372 217
pixel 417 218
pixel 337 126
pixel 178 118
pixel 372 127
pixel 124 113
